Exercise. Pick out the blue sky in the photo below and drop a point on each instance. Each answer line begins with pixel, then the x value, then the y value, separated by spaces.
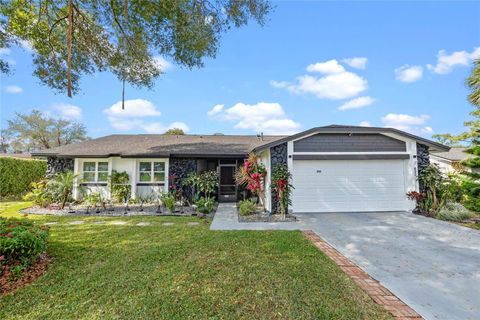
pixel 295 73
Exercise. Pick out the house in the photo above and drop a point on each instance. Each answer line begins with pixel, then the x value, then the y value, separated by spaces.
pixel 334 168
pixel 450 161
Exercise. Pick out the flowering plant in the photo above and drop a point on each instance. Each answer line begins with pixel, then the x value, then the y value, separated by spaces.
pixel 252 176
pixel 281 187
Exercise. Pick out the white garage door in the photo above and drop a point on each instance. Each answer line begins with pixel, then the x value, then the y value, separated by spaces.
pixel 348 185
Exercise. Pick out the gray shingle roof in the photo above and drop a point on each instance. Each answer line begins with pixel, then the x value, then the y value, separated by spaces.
pixel 158 145
pixel 455 154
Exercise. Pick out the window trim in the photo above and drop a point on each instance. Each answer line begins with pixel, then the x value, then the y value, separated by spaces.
pixel 152 172
pixel 96 171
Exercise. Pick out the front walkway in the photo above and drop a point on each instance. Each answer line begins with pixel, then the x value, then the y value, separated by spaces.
pixel 433 266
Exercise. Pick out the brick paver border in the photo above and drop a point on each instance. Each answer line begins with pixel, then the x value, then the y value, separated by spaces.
pixel 372 287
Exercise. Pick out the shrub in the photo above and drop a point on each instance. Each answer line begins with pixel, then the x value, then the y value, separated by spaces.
pixel 281 187
pixel 246 207
pixel 16 175
pixel 203 184
pixel 56 190
pixel 20 243
pixel 119 186
pixel 93 199
pixel 205 205
pixel 39 195
pixel 168 200
pixel 453 211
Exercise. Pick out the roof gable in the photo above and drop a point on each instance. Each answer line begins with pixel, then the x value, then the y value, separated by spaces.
pixel 434 146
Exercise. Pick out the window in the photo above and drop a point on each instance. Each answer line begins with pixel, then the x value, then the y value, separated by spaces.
pixel 152 171
pixel 94 171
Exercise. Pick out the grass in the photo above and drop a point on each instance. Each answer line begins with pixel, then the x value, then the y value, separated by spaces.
pixel 471 225
pixel 182 272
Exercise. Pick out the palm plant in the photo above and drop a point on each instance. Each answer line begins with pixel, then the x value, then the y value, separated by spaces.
pixel 61 187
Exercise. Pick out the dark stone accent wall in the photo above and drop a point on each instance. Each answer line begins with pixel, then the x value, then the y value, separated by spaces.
pixel 56 165
pixel 179 169
pixel 278 155
pixel 343 142
pixel 423 160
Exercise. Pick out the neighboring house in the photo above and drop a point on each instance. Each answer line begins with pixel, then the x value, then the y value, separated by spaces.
pixel 450 161
pixel 16 155
pixel 334 168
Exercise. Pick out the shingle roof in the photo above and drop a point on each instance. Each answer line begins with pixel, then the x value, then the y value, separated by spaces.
pixel 455 154
pixel 152 145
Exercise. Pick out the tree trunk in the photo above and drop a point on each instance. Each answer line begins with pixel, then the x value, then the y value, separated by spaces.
pixel 69 48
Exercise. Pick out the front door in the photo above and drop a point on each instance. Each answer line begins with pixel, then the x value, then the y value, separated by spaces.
pixel 228 188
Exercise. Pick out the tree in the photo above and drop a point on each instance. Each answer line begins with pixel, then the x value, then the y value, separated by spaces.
pixel 175 131
pixel 473 82
pixel 71 38
pixel 469 180
pixel 473 133
pixel 29 132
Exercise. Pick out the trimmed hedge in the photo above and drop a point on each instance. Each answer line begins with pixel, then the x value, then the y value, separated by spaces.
pixel 16 175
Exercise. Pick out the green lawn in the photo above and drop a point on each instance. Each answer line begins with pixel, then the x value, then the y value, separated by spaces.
pixel 182 272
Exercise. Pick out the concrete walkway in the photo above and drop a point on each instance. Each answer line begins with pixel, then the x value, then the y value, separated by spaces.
pixel 433 266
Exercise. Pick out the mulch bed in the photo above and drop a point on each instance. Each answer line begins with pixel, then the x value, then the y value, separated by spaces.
pixel 114 210
pixel 265 217
pixel 7 285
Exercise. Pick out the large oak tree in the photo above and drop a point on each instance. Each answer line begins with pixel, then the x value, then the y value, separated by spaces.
pixel 71 38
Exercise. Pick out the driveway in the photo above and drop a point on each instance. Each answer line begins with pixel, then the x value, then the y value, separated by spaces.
pixel 433 266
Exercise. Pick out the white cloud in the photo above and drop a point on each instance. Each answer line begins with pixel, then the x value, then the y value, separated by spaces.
pixel 356 62
pixel 365 124
pixel 408 73
pixel 357 103
pixel 136 108
pixel 327 67
pixel 334 84
pixel 279 84
pixel 5 51
pixel 409 123
pixel 13 89
pixel 157 127
pixel 134 115
pixel 446 62
pixel 162 63
pixel 68 111
pixel 215 110
pixel 264 117
pixel 26 45
pixel 427 129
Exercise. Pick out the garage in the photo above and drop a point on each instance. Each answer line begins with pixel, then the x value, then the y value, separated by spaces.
pixel 348 168
pixel 349 185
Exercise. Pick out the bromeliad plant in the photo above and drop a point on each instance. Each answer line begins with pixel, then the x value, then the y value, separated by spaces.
pixel 281 187
pixel 252 176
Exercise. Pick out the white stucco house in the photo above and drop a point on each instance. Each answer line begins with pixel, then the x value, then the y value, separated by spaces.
pixel 334 168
